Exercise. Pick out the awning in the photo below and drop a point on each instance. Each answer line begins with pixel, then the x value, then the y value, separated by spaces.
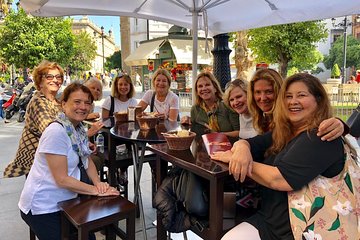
pixel 183 51
pixel 145 51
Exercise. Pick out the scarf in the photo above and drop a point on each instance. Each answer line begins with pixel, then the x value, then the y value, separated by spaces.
pixel 211 113
pixel 78 136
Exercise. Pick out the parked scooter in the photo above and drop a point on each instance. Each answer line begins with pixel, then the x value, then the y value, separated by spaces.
pixel 24 101
pixel 10 100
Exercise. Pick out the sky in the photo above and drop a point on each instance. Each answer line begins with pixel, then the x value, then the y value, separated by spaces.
pixel 108 22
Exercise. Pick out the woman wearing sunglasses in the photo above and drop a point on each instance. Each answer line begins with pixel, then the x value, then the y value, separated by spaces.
pixel 41 111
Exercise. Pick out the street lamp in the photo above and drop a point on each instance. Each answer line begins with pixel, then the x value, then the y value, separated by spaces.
pixel 102 36
pixel 343 24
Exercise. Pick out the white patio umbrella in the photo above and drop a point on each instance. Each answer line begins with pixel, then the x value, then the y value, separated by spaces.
pixel 216 16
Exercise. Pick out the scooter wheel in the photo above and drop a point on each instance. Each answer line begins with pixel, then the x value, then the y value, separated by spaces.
pixel 9 114
pixel 21 117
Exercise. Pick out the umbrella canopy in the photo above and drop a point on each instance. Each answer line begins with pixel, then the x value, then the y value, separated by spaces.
pixel 222 15
pixel 216 16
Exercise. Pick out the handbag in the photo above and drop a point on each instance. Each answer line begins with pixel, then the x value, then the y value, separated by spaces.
pixel 84 177
pixel 328 208
pixel 182 201
pixel 354 122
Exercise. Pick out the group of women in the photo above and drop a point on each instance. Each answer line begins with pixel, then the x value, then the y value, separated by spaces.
pixel 278 118
pixel 55 141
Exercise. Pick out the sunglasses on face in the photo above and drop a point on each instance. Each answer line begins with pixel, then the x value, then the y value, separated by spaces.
pixel 51 77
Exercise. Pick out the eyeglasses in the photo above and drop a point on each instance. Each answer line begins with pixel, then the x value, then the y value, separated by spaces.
pixel 51 77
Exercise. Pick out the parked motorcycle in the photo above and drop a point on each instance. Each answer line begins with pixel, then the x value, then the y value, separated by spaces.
pixel 24 101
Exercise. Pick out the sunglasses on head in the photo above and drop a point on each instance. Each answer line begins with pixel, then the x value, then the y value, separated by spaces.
pixel 51 77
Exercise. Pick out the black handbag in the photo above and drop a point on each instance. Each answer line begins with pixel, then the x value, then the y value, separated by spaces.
pixel 84 177
pixel 354 122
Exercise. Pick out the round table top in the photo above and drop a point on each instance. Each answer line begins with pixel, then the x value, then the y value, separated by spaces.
pixel 131 131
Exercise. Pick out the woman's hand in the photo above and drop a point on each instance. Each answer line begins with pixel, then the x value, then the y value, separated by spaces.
pixel 186 120
pixel 95 127
pixel 330 129
pixel 93 115
pixel 222 156
pixel 92 147
pixel 160 115
pixel 102 187
pixel 241 160
pixel 111 191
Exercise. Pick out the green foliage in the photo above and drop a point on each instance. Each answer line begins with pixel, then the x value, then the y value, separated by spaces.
pixel 286 44
pixel 84 53
pixel 336 53
pixel 114 61
pixel 26 40
pixel 292 71
pixel 335 71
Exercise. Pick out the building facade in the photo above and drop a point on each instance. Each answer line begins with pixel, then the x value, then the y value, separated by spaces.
pixel 104 41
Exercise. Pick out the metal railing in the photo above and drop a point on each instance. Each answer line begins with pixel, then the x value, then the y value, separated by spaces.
pixel 185 99
pixel 344 98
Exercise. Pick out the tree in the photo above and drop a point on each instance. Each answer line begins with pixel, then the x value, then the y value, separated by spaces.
pixel 114 61
pixel 125 42
pixel 289 43
pixel 336 53
pixel 335 71
pixel 243 58
pixel 25 40
pixel 84 53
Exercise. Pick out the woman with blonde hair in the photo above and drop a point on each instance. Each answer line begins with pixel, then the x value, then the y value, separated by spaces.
pixel 210 114
pixel 122 96
pixel 235 96
pixel 161 100
pixel 96 88
pixel 264 88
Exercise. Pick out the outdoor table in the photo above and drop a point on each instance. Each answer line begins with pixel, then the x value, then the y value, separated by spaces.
pixel 130 132
pixel 198 162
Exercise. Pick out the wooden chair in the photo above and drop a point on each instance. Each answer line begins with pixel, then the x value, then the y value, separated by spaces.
pixel 89 213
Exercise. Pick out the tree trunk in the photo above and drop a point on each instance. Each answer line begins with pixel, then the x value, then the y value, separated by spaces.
pixel 125 42
pixel 283 65
pixel 243 58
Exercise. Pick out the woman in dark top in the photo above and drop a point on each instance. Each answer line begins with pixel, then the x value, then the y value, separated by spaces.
pixel 287 158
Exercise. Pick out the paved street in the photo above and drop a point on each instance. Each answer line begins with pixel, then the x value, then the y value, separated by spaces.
pixel 12 226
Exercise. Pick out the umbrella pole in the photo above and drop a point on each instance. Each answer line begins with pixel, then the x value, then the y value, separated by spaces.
pixel 195 47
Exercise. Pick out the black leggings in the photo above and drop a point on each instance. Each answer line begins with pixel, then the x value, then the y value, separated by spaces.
pixel 47 226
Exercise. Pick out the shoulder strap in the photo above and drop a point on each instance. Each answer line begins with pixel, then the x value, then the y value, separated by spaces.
pixel 152 102
pixel 111 113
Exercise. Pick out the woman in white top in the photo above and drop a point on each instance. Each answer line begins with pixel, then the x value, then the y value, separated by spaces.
pixel 122 96
pixel 236 97
pixel 55 174
pixel 165 102
pixel 96 88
